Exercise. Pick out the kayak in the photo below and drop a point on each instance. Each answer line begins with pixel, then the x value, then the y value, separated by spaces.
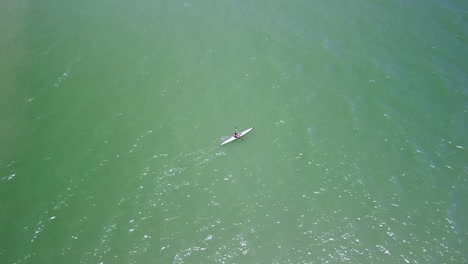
pixel 243 133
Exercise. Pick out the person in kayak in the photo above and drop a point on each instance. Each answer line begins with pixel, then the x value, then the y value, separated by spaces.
pixel 237 135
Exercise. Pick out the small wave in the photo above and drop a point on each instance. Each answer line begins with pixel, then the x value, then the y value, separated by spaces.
pixel 179 258
pixel 9 177
pixel 61 79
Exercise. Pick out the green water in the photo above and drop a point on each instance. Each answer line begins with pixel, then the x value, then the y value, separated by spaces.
pixel 112 112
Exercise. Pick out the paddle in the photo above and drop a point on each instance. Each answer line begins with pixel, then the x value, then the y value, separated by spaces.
pixel 239 137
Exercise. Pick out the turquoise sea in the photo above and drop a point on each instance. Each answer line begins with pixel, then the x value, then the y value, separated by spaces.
pixel 112 114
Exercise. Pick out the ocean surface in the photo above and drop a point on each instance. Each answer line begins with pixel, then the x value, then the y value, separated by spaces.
pixel 112 114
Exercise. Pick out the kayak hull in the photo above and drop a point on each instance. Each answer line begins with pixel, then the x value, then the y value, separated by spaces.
pixel 231 139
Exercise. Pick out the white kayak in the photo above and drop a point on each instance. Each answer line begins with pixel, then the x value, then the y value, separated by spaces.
pixel 240 135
